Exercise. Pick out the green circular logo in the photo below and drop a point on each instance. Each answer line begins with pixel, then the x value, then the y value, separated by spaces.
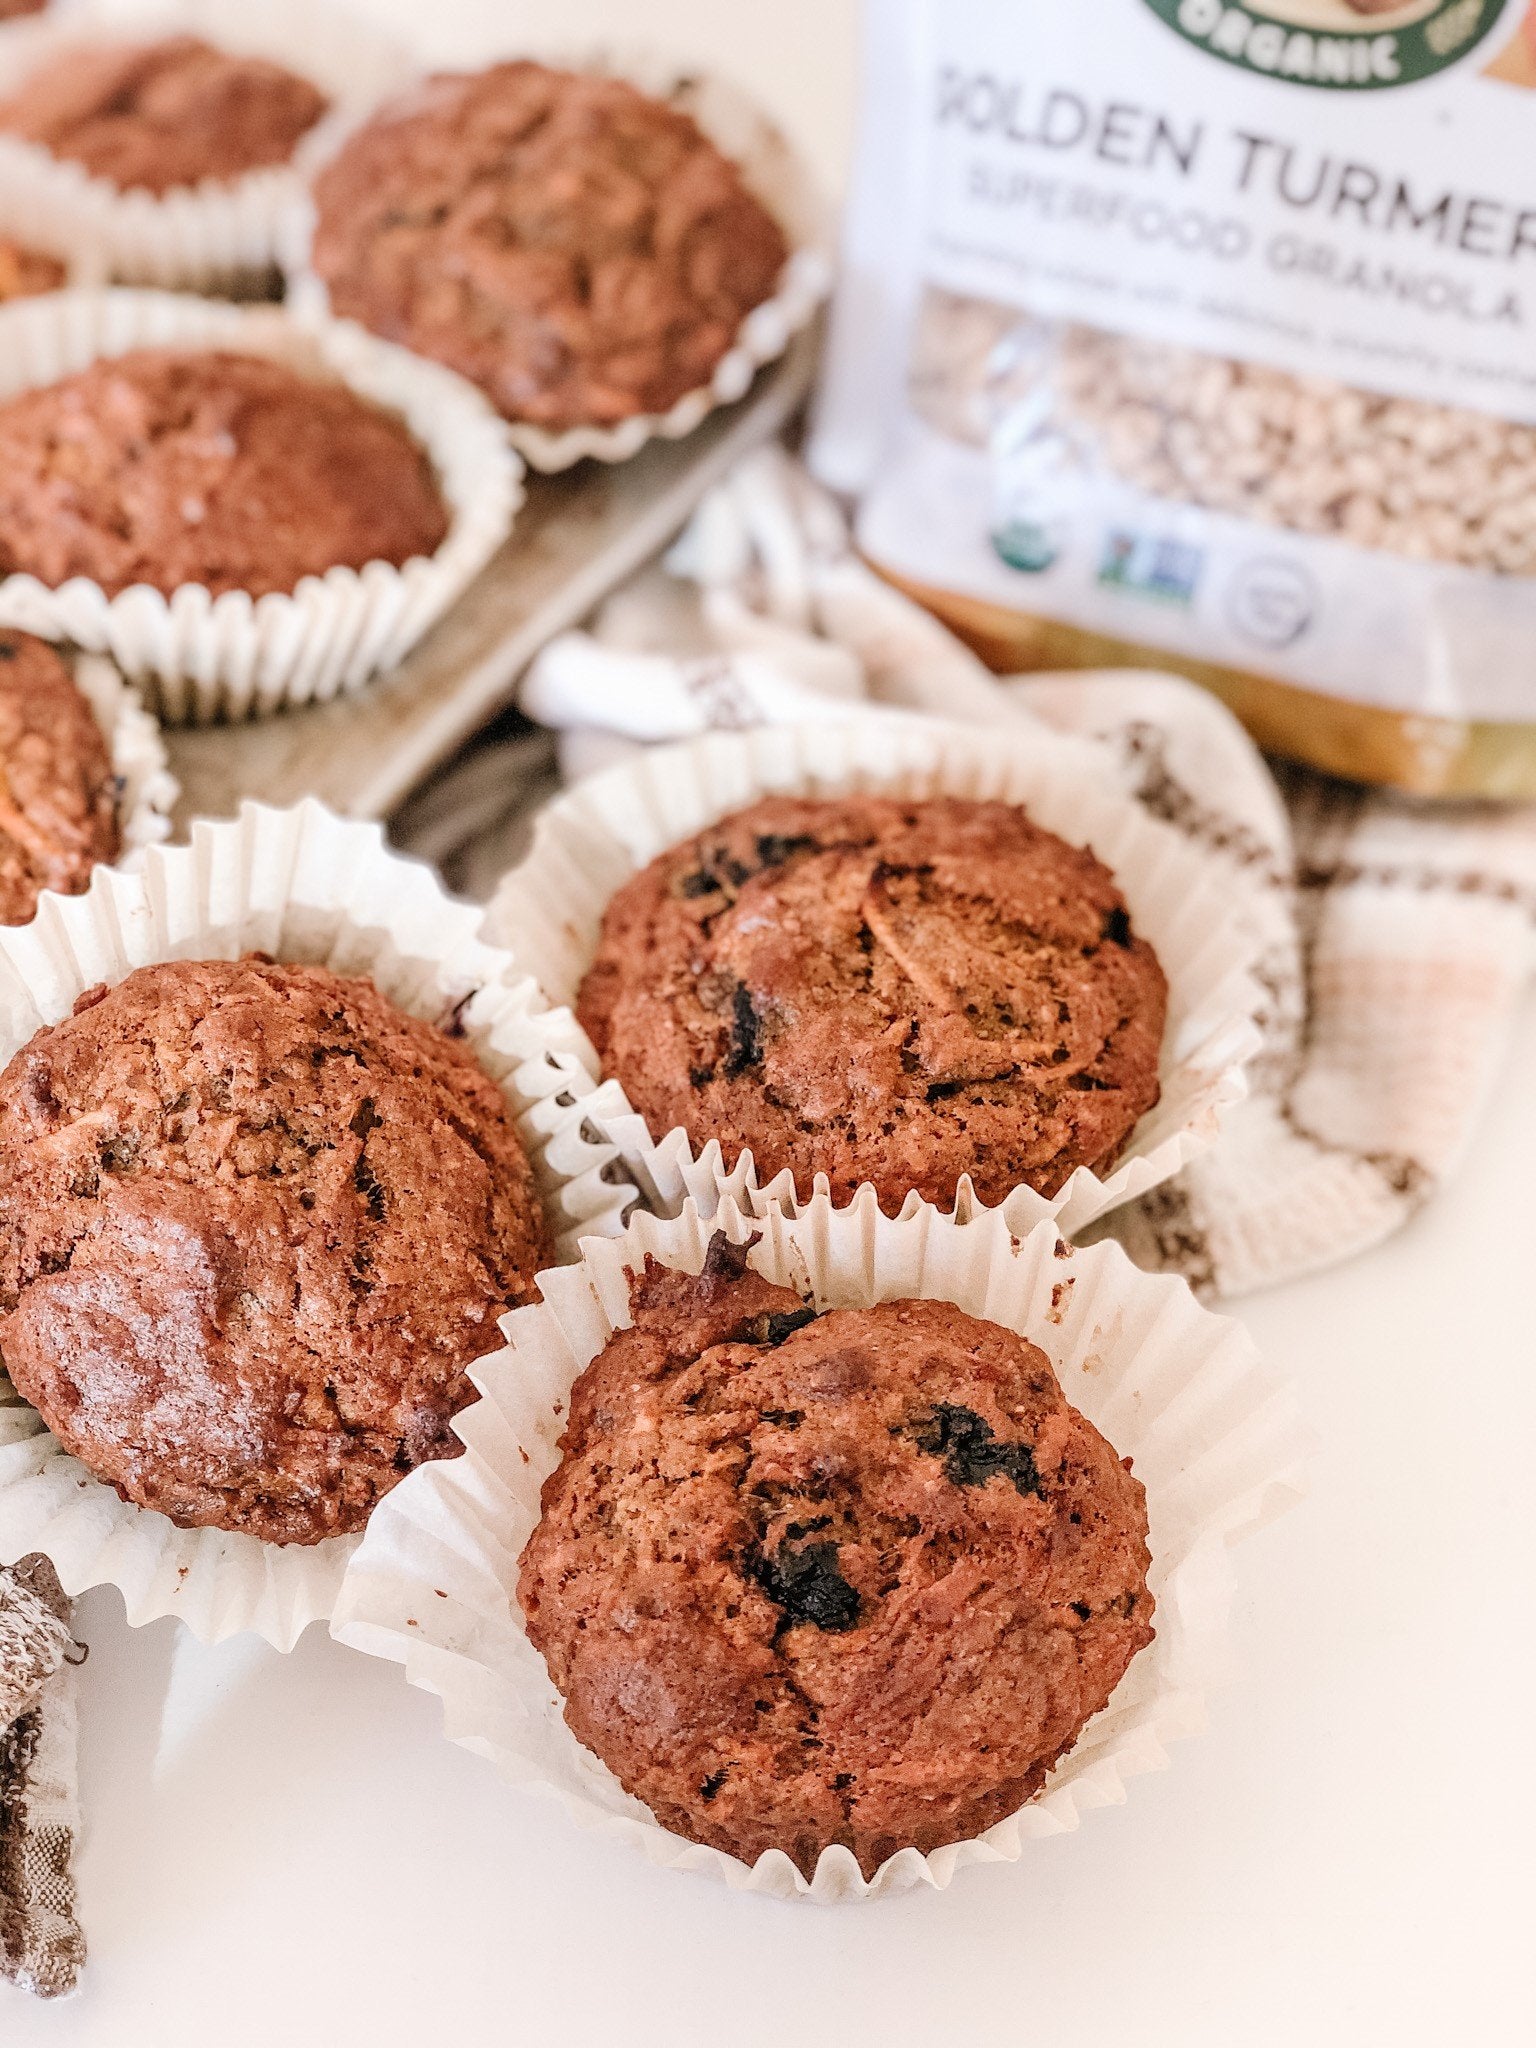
pixel 1339 45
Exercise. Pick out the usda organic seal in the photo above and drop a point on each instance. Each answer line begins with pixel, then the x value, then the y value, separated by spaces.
pixel 1345 45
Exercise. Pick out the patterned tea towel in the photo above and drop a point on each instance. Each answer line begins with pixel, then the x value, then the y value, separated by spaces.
pixel 1396 938
pixel 41 1946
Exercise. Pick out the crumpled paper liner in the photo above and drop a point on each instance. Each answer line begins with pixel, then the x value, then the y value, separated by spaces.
pixel 216 234
pixel 1217 1445
pixel 548 912
pixel 774 172
pixel 203 657
pixel 299 884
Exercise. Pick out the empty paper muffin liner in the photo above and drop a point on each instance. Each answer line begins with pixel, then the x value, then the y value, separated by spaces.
pixel 147 791
pixel 774 173
pixel 203 657
pixel 548 912
pixel 1218 1446
pixel 300 885
pixel 220 234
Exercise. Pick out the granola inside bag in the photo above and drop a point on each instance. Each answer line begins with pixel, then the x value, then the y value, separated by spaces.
pixel 1202 335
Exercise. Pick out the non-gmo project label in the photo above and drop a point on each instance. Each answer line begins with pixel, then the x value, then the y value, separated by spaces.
pixel 1343 45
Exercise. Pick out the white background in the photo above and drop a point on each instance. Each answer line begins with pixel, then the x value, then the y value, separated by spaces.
pixel 283 1852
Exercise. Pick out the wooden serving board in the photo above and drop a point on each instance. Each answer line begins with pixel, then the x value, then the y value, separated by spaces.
pixel 578 536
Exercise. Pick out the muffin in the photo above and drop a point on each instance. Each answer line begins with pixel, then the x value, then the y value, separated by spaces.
pixel 858 1578
pixel 25 272
pixel 579 250
pixel 174 466
pixel 885 990
pixel 255 1223
pixel 153 116
pixel 58 793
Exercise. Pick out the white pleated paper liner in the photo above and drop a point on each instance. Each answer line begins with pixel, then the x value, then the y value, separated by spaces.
pixel 548 912
pixel 1218 1446
pixel 220 233
pixel 774 172
pixel 298 884
pixel 202 657
pixel 147 791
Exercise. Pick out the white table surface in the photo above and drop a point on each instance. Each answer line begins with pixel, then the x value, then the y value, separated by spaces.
pixel 283 1850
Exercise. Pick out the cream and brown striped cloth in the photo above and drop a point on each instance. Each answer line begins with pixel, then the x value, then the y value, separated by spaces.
pixel 41 1946
pixel 1396 939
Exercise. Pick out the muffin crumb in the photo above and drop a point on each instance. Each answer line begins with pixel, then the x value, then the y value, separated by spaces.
pixel 25 273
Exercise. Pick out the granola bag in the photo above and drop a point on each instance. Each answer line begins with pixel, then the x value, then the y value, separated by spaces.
pixel 1204 335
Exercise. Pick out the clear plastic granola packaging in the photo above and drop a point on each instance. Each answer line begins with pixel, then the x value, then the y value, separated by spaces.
pixel 1204 335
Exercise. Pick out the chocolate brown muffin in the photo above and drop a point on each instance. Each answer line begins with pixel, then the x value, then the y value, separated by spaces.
pixel 174 466
pixel 58 794
pixel 580 251
pixel 882 990
pixel 152 116
pixel 255 1222
pixel 24 272
pixel 858 1578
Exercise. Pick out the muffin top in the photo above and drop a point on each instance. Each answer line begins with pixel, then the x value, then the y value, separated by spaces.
pixel 882 990
pixel 151 116
pixel 858 1578
pixel 255 1222
pixel 25 272
pixel 58 794
pixel 581 251
pixel 173 466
